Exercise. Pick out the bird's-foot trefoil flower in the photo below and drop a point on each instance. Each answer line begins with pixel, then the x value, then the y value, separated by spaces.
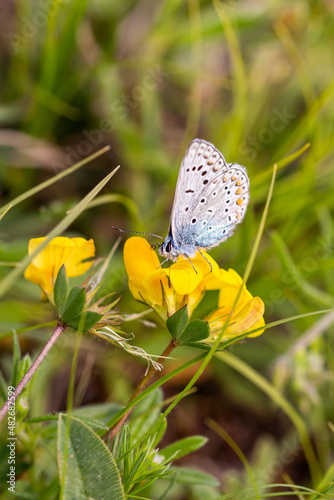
pixel 235 302
pixel 78 306
pixel 76 254
pixel 75 306
pixel 166 290
pixel 181 287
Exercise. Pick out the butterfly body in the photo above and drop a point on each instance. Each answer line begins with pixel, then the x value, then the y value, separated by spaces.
pixel 211 198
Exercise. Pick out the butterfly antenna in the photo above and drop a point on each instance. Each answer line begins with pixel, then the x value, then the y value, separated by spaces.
pixel 136 232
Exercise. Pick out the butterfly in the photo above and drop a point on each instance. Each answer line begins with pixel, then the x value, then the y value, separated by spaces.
pixel 211 198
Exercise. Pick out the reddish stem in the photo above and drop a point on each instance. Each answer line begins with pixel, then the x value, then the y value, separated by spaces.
pixel 34 367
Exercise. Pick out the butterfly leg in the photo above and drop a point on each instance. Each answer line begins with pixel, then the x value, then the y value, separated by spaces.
pixel 186 256
pixel 205 258
pixel 194 268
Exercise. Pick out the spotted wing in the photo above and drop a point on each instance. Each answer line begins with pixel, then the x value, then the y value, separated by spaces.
pixel 220 206
pixel 201 164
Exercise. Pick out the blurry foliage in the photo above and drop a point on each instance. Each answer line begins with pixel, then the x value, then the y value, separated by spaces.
pixel 256 78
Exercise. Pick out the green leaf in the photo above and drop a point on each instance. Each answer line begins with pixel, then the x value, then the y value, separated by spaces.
pixel 84 321
pixel 177 323
pixel 99 413
pixel 145 414
pixel 196 330
pixel 60 292
pixel 93 423
pixel 183 447
pixel 74 304
pixel 102 412
pixel 16 359
pixel 159 432
pixel 74 323
pixel 86 467
pixel 3 388
pixel 23 367
pixel 91 318
pixel 200 492
pixel 193 477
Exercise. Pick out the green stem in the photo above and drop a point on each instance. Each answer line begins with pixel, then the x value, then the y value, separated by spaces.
pixel 70 392
pixel 153 387
pixel 140 387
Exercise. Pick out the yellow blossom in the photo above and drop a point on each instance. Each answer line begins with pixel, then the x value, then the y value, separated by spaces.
pixel 44 267
pixel 167 290
pixel 247 313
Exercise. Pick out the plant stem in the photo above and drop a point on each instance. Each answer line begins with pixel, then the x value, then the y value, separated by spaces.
pixel 34 367
pixel 109 436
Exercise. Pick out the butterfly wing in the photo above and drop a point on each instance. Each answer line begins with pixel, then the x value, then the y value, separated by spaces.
pixel 219 208
pixel 211 197
pixel 201 163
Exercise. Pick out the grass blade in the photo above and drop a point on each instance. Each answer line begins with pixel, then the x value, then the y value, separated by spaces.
pixel 11 277
pixel 49 182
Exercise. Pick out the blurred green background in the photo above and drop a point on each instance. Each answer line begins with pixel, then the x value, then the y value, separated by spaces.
pixel 255 78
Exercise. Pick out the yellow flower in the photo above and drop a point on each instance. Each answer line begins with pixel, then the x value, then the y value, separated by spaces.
pixel 247 314
pixel 165 290
pixel 44 267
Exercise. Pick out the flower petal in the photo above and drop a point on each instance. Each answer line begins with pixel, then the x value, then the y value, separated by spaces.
pixel 42 279
pixel 194 298
pixel 145 275
pixel 229 291
pixel 223 278
pixel 184 278
pixel 245 320
pixel 48 254
pixel 139 258
pixel 74 257
pixel 187 274
pixel 256 325
pixel 206 263
pixel 61 250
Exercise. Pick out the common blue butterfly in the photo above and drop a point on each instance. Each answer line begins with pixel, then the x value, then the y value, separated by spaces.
pixel 211 198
